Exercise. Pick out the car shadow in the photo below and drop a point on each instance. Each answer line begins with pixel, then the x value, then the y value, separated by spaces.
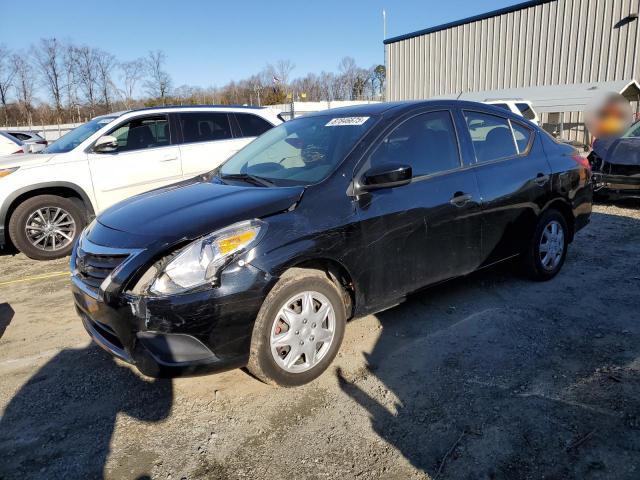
pixel 60 423
pixel 494 376
pixel 6 315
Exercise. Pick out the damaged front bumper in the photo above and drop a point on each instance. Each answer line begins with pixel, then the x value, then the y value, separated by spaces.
pixel 200 332
pixel 616 185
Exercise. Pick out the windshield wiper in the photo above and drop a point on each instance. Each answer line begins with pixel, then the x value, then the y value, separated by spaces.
pixel 262 182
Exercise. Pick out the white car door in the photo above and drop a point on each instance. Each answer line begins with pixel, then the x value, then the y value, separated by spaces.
pixel 145 159
pixel 207 141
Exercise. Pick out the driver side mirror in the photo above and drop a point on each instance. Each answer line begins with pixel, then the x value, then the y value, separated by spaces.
pixel 106 144
pixel 386 176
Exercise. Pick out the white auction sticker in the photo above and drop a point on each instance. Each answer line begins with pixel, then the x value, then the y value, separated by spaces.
pixel 344 121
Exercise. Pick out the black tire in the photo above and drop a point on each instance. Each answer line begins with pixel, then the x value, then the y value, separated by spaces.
pixel 261 362
pixel 532 263
pixel 18 223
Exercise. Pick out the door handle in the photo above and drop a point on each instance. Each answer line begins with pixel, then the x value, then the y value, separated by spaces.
pixel 541 179
pixel 460 199
pixel 169 158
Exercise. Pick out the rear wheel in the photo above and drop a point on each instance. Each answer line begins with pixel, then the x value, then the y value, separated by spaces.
pixel 546 253
pixel 298 330
pixel 45 227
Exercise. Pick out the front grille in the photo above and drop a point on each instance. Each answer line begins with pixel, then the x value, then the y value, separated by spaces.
pixel 93 268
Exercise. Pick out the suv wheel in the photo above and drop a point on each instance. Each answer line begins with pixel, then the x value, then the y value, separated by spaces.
pixel 547 250
pixel 45 227
pixel 298 330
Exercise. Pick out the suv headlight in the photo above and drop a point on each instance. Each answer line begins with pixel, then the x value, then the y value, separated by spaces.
pixel 199 262
pixel 7 171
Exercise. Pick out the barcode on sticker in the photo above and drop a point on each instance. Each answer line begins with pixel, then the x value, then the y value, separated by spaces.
pixel 343 121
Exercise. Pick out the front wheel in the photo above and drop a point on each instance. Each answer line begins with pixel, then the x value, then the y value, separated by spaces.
pixel 298 330
pixel 45 227
pixel 547 250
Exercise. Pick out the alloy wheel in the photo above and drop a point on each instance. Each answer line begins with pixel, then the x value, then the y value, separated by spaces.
pixel 50 228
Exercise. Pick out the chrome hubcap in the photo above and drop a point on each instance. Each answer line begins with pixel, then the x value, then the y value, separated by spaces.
pixel 551 245
pixel 302 332
pixel 50 229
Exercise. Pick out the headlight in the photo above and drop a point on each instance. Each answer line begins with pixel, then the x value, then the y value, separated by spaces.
pixel 7 171
pixel 199 262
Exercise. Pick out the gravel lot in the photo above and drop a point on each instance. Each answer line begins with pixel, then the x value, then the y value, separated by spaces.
pixel 491 376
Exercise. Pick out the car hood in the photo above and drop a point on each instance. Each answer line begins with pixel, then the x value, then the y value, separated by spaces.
pixel 194 208
pixel 24 160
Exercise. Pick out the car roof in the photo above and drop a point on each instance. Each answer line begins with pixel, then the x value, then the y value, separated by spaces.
pixel 397 108
pixel 162 108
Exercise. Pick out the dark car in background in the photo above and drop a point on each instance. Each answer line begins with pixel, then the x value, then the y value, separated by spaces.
pixel 333 215
pixel 616 165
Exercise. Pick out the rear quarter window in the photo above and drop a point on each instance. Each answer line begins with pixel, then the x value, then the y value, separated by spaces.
pixel 523 136
pixel 252 125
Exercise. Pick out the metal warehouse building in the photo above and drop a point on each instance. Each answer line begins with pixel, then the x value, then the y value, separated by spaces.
pixel 557 46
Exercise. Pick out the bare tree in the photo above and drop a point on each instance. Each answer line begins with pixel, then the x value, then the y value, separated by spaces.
pixel 7 75
pixel 348 68
pixel 24 85
pixel 87 72
pixel 105 63
pixel 70 65
pixel 132 73
pixel 159 83
pixel 283 71
pixel 49 59
pixel 326 81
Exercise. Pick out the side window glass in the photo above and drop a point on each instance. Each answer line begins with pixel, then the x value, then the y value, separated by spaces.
pixel 427 142
pixel 252 125
pixel 502 105
pixel 204 126
pixel 522 135
pixel 144 132
pixel 491 136
pixel 526 110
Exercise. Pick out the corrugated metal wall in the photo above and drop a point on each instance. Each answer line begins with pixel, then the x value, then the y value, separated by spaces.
pixel 563 41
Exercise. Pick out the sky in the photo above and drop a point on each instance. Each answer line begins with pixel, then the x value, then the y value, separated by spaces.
pixel 209 43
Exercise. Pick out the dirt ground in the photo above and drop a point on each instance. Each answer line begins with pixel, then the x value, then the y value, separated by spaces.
pixel 491 376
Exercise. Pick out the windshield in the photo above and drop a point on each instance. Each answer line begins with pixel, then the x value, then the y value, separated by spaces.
pixel 634 131
pixel 299 152
pixel 75 137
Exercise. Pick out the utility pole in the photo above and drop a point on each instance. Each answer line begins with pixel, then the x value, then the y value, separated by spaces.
pixel 384 25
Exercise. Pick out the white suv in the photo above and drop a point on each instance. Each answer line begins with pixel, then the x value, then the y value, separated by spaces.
pixel 48 197
pixel 524 108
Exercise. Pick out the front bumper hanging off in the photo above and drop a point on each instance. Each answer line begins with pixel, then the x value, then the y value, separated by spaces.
pixel 201 332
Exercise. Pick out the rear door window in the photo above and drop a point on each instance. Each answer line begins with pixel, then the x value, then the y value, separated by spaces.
pixel 205 126
pixel 427 142
pixel 252 125
pixel 491 136
pixel 142 132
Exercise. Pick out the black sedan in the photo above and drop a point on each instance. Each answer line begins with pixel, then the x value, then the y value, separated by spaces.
pixel 334 215
pixel 616 165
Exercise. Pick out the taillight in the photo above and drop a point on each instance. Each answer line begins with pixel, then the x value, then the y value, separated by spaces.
pixel 19 151
pixel 42 142
pixel 582 161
